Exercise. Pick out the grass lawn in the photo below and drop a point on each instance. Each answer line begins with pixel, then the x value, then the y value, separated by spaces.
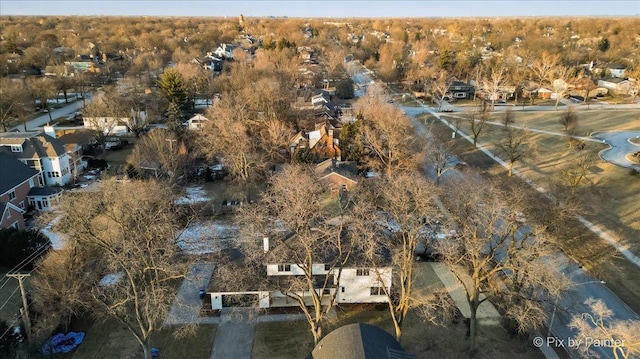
pixel 111 339
pixel 612 201
pixel 117 159
pixel 10 297
pixel 283 340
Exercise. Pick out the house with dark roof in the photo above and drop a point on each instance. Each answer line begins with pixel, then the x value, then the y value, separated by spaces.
pixel 322 143
pixel 338 176
pixel 359 341
pixel 41 152
pixel 21 188
pixel 615 85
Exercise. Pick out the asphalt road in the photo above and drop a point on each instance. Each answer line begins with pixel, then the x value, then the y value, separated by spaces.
pixel 620 147
pixel 44 118
pixel 583 287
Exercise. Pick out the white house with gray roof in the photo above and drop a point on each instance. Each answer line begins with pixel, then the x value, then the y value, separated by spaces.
pixel 41 152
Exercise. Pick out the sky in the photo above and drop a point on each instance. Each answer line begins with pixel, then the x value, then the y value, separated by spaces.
pixel 324 8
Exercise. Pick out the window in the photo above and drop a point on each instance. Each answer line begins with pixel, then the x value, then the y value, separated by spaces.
pixel 377 291
pixel 362 272
pixel 12 195
pixel 326 291
pixel 284 267
pixel 16 148
pixel 341 289
pixel 327 267
pixel 21 204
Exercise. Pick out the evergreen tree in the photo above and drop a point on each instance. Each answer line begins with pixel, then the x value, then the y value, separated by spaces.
pixel 604 45
pixel 173 87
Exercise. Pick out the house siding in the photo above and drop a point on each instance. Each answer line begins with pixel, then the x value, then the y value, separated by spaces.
pixel 12 218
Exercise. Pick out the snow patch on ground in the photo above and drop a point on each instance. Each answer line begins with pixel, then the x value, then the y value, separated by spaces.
pixel 207 237
pixel 193 195
pixel 58 240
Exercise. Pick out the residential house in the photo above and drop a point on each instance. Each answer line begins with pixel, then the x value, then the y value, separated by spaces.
pixel 109 126
pixel 359 341
pixel 41 152
pixel 356 283
pixel 209 62
pixel 544 93
pixel 616 69
pixel 76 141
pixel 196 122
pixel 461 90
pixel 339 176
pixel 21 188
pixel 225 51
pixel 615 85
pixel 322 142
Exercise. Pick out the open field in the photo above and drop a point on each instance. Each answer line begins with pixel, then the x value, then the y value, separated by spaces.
pixel 613 200
pixel 293 340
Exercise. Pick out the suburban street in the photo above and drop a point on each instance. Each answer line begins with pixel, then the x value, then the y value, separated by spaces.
pixel 44 118
pixel 583 287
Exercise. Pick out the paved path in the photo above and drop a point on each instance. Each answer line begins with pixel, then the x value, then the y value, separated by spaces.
pixel 234 336
pixel 186 306
pixel 486 314
pixel 620 147
pixel 236 326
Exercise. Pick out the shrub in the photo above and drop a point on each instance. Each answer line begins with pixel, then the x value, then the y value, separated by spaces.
pixel 17 245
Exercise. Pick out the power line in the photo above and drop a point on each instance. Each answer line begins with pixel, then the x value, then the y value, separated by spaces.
pixel 11 295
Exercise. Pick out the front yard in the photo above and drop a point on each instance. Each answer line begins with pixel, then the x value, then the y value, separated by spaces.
pixel 284 340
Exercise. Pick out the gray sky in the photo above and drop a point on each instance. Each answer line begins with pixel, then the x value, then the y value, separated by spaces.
pixel 324 8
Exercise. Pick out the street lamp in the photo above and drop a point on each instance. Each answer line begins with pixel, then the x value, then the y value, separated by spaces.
pixel 555 304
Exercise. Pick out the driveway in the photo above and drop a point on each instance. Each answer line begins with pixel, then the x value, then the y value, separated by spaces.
pixel 620 147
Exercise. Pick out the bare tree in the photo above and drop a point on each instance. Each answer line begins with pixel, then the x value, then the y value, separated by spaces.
pixel 15 102
pixel 516 143
pixel 389 140
pixel 162 152
pixel 42 89
pixel 401 208
pixel 560 83
pixel 569 120
pixel 599 328
pixel 542 69
pixel 440 87
pixel 127 232
pixel 493 82
pixel 440 156
pixel 292 216
pixel 578 170
pixel 495 256
pixel 476 119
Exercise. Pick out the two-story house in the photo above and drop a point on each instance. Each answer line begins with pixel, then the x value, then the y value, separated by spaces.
pixel 354 282
pixel 41 152
pixel 21 188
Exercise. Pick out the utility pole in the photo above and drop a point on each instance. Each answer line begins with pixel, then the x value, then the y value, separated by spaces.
pixel 25 305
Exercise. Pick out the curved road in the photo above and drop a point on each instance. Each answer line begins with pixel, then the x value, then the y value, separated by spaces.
pixel 620 147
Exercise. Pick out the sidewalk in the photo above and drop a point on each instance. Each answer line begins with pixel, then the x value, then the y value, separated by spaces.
pixel 487 314
pixel 186 307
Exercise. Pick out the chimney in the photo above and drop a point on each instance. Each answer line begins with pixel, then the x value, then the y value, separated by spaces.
pixel 265 244
pixel 49 130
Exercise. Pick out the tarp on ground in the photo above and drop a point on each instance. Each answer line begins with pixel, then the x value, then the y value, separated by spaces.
pixel 62 343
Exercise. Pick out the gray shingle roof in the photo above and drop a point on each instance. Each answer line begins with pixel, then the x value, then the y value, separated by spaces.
pixel 44 191
pixel 13 172
pixel 359 341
